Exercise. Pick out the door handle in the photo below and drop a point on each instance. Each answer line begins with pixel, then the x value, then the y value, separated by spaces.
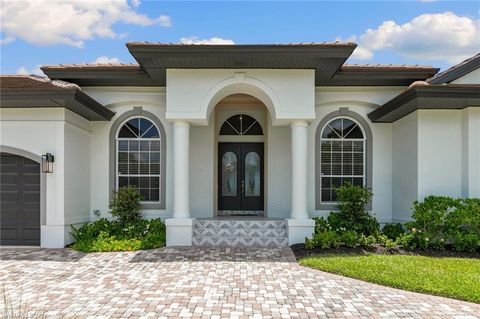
pixel 243 189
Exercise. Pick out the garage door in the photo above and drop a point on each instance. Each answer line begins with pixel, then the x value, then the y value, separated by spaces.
pixel 19 200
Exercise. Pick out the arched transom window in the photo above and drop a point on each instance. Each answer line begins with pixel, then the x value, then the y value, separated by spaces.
pixel 138 158
pixel 241 124
pixel 342 156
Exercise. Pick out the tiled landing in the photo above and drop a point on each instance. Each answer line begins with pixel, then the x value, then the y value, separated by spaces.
pixel 240 232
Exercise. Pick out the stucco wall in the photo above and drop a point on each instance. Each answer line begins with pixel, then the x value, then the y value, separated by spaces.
pixel 202 168
pixel 471 152
pixel 76 164
pixel 361 100
pixel 439 153
pixel 65 135
pixel 404 166
pixel 121 100
pixel 435 152
pixel 193 94
pixel 469 78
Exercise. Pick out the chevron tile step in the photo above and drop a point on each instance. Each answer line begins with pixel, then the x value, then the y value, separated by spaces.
pixel 240 233
pixel 219 232
pixel 237 224
pixel 241 241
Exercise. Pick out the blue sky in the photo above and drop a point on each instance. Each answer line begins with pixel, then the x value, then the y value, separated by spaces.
pixel 438 33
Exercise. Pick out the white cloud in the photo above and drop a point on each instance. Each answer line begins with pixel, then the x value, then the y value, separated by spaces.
pixel 24 71
pixel 69 22
pixel 164 21
pixel 106 60
pixel 214 40
pixel 440 36
pixel 136 3
pixel 6 40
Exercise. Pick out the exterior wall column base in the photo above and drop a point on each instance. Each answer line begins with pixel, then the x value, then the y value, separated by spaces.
pixel 179 231
pixel 299 229
pixel 55 236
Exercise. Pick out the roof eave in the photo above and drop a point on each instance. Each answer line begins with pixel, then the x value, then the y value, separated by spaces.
pixel 73 99
pixel 456 71
pixel 411 100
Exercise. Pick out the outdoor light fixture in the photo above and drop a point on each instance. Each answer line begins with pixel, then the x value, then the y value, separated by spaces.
pixel 47 163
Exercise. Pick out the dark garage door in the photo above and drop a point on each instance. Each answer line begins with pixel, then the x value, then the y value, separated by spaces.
pixel 19 200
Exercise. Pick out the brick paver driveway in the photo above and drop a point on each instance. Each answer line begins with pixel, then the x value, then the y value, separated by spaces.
pixel 201 283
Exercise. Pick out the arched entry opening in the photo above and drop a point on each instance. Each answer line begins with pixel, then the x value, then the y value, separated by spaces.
pixel 21 198
pixel 240 122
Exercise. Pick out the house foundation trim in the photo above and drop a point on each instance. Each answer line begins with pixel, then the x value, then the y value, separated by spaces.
pixel 179 231
pixel 299 229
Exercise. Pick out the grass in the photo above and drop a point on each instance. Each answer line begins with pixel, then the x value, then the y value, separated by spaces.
pixel 21 309
pixel 457 278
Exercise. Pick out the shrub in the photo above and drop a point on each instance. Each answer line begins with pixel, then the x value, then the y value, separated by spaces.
pixel 321 225
pixel 125 205
pixel 324 240
pixel 413 240
pixel 367 241
pixel 393 231
pixel 353 214
pixel 440 222
pixel 349 239
pixel 466 242
pixel 105 235
pixel 385 241
pixel 429 216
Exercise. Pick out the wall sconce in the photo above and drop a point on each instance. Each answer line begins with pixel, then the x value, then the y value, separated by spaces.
pixel 47 163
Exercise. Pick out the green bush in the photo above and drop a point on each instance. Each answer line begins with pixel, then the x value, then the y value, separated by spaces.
pixel 323 240
pixel 386 242
pixel 440 222
pixel 349 239
pixel 105 235
pixel 125 205
pixel 466 242
pixel 353 214
pixel 321 225
pixel 393 231
pixel 413 240
pixel 367 241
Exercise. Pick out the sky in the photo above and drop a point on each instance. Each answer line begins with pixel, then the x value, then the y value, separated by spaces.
pixel 427 32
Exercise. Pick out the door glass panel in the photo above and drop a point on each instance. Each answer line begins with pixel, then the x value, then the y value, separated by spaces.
pixel 252 174
pixel 229 174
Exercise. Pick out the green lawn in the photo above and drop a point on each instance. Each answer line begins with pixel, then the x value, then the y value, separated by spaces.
pixel 457 278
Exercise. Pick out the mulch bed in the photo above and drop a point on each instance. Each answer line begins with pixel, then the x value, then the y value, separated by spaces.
pixel 300 251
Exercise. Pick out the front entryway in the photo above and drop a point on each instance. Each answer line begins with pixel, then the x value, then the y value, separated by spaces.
pixel 240 179
pixel 19 200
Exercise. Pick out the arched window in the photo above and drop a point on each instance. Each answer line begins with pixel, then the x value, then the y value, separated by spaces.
pixel 139 158
pixel 342 156
pixel 241 124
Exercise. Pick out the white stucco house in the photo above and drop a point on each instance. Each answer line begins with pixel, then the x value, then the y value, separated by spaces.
pixel 232 144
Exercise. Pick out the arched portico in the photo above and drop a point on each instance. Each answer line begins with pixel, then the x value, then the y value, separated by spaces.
pixel 239 84
pixel 194 105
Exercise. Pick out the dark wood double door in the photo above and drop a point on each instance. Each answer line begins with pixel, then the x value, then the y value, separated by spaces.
pixel 240 177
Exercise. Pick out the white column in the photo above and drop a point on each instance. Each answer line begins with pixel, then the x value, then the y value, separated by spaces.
pixel 299 170
pixel 300 225
pixel 179 228
pixel 181 146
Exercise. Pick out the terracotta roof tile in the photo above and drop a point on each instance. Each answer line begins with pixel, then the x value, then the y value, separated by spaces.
pixel 466 65
pixel 109 66
pixel 326 43
pixel 386 66
pixel 33 82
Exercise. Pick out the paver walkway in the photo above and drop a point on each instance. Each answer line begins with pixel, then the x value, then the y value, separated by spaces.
pixel 201 283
